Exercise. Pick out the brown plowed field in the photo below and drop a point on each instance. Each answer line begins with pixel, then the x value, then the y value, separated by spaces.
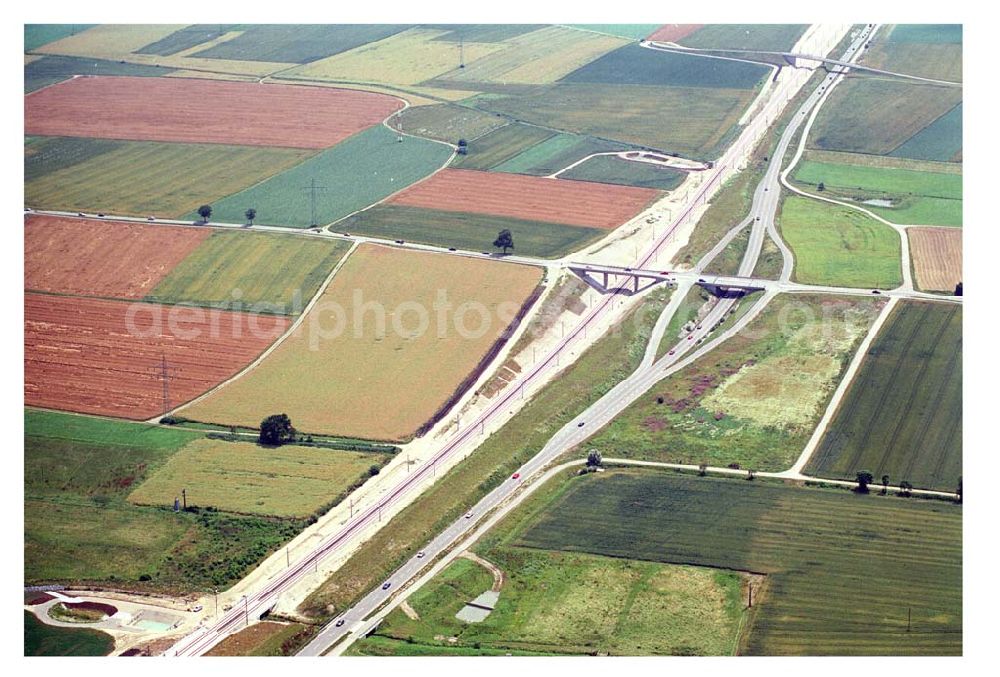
pixel 79 354
pixel 673 32
pixel 937 257
pixel 102 258
pixel 203 111
pixel 575 203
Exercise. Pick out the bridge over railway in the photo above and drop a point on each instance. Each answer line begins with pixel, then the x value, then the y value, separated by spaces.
pixel 631 281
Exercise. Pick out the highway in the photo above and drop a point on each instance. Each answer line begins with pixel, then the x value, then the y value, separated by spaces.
pixel 693 346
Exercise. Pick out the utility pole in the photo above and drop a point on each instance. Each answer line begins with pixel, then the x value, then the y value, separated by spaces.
pixel 461 52
pixel 313 190
pixel 750 596
pixel 163 372
pixel 184 496
pixel 288 558
pixel 909 617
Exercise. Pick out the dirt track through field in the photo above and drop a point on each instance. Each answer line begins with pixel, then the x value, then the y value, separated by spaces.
pixel 203 111
pixel 103 357
pixel 575 203
pixel 102 258
pixel 937 257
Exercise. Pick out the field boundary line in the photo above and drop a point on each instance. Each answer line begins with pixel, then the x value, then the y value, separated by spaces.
pixel 852 369
pixel 277 342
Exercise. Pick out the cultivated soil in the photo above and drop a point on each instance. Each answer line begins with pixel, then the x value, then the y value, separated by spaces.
pixel 937 257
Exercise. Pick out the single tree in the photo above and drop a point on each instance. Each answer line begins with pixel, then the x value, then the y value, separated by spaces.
pixel 958 491
pixel 276 430
pixel 751 474
pixel 958 289
pixel 373 470
pixel 905 488
pixel 251 214
pixel 864 479
pixel 821 187
pixel 885 484
pixel 702 469
pixel 594 458
pixel 505 240
pixel 205 212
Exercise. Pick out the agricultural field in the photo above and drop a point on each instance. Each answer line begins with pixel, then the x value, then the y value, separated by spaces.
pixel 813 545
pixel 918 197
pixel 672 32
pixel 42 639
pixel 526 197
pixel 38 35
pixel 464 230
pixel 635 65
pixel 569 604
pixel 295 43
pixel 555 154
pixel 500 145
pixel 753 400
pixel 101 258
pixel 107 41
pixel 344 356
pixel 767 37
pixel 188 38
pixel 103 357
pixel 614 170
pixel 259 272
pixel 48 70
pixel 926 50
pixel 405 58
pixel 364 169
pixel 937 257
pixel 78 472
pixel 627 31
pixel 596 371
pixel 688 121
pixel 446 122
pixel 246 478
pixel 539 57
pixel 141 177
pixel 902 415
pixel 177 110
pixel 889 117
pixel 839 246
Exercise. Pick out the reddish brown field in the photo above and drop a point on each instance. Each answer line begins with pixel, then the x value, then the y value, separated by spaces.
pixel 203 111
pixel 575 203
pixel 937 257
pixel 102 258
pixel 673 32
pixel 80 354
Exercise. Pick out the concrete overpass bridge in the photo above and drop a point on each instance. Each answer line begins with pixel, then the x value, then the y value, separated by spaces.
pixel 631 281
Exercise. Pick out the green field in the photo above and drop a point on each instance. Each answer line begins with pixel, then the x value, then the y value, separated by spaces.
pixel 843 570
pixel 768 37
pixel 78 526
pixel 245 478
pixel 594 373
pixel 839 246
pixel 500 145
pixel 354 174
pixel 446 122
pixel 753 400
pixel 610 169
pixel 635 65
pixel 52 69
pixel 570 604
pixel 927 33
pixel 880 117
pixel 271 272
pixel 143 177
pixel 941 140
pixel 630 31
pixel 689 121
pixel 482 32
pixel 41 639
pixel 37 35
pixel 770 261
pixel 187 38
pixel 729 259
pixel 297 43
pixel 918 197
pixel 556 153
pixel 468 231
pixel 902 415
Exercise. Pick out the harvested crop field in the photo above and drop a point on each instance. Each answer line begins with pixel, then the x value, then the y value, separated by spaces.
pixel 902 415
pixel 143 178
pixel 203 111
pixel 937 257
pixel 526 197
pixel 101 258
pixel 108 40
pixel 821 550
pixel 80 355
pixel 244 477
pixel 673 32
pixel 380 382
